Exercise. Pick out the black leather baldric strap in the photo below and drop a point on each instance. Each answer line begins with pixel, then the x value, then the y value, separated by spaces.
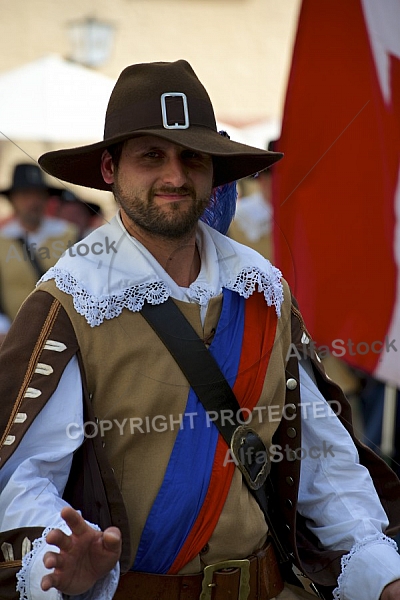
pixel 196 362
pixel 204 375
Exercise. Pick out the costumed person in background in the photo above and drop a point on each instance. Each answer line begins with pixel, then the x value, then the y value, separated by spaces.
pixel 30 242
pixel 87 216
pixel 252 224
pixel 178 495
pixel 372 400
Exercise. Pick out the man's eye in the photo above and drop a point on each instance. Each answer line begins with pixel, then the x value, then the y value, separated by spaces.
pixel 192 155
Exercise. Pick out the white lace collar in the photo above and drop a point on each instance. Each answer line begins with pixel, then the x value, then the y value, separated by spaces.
pixel 110 270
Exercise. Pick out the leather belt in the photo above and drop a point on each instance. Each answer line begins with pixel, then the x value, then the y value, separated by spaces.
pixel 254 578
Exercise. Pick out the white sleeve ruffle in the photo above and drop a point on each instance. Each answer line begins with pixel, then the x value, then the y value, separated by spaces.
pixel 33 570
pixel 374 560
pixel 339 501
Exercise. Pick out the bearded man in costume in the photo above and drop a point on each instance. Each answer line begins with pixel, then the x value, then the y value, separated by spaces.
pixel 115 480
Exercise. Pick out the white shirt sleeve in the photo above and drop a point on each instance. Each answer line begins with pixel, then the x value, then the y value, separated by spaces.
pixel 339 500
pixel 33 480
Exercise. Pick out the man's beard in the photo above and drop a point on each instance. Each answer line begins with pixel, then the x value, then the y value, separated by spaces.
pixel 171 223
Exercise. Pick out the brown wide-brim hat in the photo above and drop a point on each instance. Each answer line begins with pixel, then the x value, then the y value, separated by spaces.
pixel 166 100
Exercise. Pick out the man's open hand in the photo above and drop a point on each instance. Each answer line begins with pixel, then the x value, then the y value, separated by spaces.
pixel 85 556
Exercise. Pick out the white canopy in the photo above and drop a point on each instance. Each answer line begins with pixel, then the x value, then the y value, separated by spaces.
pixel 256 134
pixel 53 100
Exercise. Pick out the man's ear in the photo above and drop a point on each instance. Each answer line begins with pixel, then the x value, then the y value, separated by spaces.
pixel 107 167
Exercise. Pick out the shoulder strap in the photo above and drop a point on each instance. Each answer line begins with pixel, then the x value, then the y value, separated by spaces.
pixel 195 361
pixel 216 395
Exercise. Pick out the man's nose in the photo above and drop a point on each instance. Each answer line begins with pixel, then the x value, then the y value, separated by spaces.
pixel 175 171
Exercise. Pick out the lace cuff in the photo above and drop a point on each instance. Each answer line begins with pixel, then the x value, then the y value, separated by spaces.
pixel 370 566
pixel 33 570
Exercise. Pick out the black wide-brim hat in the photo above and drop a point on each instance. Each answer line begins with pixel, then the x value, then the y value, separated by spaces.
pixel 27 176
pixel 67 196
pixel 166 100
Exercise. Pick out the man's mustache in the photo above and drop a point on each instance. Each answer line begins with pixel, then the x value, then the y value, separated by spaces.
pixel 183 190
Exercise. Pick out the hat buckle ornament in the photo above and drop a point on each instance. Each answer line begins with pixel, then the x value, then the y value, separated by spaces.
pixel 164 110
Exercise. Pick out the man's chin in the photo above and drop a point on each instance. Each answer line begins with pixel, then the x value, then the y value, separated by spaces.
pixel 171 228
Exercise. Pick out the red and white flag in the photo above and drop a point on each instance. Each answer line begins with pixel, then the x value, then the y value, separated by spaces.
pixel 337 189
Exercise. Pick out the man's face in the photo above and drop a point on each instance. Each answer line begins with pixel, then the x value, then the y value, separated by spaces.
pixel 75 212
pixel 162 187
pixel 29 206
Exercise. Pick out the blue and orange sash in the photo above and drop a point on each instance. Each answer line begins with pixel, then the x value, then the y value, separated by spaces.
pixel 198 477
